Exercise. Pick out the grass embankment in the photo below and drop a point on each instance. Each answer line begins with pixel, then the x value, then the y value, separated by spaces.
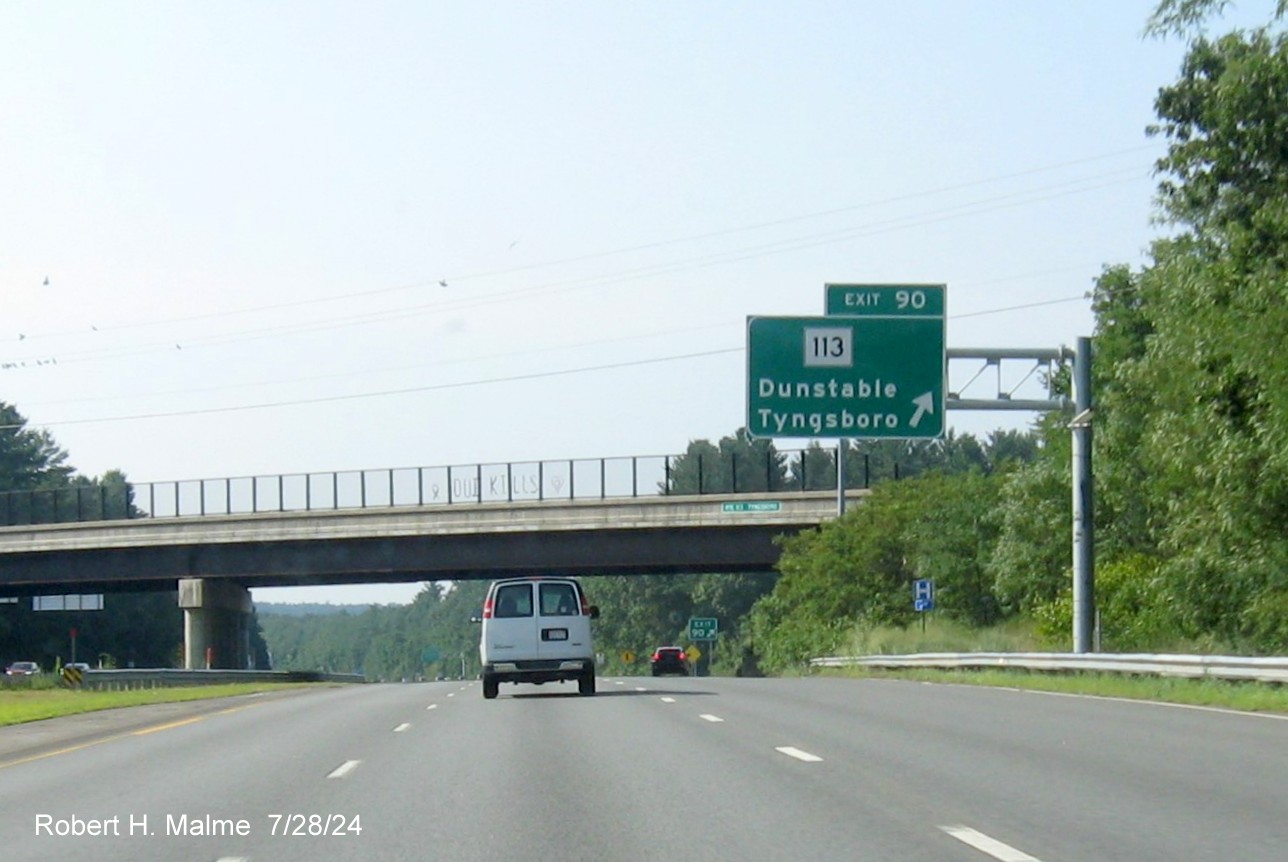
pixel 1242 696
pixel 36 703
pixel 1019 637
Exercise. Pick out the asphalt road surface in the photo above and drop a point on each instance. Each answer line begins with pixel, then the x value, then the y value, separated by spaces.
pixel 650 769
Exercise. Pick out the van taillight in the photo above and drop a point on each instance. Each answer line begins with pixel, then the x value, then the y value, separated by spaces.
pixel 487 608
pixel 585 606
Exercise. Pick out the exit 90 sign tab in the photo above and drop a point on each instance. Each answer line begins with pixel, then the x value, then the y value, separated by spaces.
pixel 884 300
pixel 832 377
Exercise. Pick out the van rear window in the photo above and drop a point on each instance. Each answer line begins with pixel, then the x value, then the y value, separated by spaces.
pixel 513 600
pixel 559 600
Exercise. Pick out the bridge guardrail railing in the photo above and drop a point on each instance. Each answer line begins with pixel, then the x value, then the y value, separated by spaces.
pixel 1260 669
pixel 134 678
pixel 777 472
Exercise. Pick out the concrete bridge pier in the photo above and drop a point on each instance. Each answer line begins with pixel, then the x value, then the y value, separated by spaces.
pixel 216 624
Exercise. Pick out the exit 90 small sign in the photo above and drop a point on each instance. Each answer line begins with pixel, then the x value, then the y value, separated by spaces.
pixel 829 346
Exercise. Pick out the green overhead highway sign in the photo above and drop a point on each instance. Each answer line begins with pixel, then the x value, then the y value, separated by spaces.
pixel 832 377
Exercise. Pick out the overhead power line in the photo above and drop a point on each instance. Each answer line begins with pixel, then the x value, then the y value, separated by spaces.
pixel 798 243
pixel 538 375
pixel 364 395
pixel 466 277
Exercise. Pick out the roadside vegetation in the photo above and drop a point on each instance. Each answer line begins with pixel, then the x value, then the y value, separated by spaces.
pixel 1211 693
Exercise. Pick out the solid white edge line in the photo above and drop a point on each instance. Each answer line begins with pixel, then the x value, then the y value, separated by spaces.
pixel 1191 706
pixel 985 844
pixel 400 728
pixel 1273 716
pixel 714 719
pixel 344 769
pixel 791 751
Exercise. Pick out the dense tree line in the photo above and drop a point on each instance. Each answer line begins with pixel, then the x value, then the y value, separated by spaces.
pixel 429 636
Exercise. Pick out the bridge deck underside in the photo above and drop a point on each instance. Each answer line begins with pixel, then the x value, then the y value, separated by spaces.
pixel 401 558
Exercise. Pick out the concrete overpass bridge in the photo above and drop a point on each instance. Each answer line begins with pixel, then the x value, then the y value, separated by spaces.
pixel 212 560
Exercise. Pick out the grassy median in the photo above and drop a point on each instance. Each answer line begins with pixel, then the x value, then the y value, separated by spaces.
pixel 18 705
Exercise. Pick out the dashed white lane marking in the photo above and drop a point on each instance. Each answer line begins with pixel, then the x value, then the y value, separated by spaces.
pixel 451 694
pixel 231 859
pixel 668 700
pixel 618 682
pixel 640 688
pixel 400 728
pixel 344 769
pixel 991 846
pixel 432 706
pixel 790 751
pixel 714 719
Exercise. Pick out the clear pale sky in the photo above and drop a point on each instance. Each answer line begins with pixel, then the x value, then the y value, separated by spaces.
pixel 305 237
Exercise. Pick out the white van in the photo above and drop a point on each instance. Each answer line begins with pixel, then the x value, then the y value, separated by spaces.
pixel 537 630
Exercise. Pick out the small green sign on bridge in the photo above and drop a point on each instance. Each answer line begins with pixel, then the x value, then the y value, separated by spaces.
pixel 751 506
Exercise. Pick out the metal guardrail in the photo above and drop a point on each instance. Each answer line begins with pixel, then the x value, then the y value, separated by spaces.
pixel 1192 666
pixel 134 678
pixel 779 471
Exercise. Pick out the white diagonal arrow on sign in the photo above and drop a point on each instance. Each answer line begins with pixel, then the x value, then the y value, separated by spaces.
pixel 925 404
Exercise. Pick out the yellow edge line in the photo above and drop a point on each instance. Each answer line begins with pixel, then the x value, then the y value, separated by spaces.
pixel 145 731
pixel 141 732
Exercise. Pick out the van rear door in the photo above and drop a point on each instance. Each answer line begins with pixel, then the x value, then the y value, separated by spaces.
pixel 563 630
pixel 512 628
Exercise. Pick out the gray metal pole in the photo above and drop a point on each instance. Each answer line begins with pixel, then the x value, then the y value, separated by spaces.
pixel 1084 596
pixel 840 476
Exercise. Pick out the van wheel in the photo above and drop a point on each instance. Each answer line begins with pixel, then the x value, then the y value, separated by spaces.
pixel 586 682
pixel 490 687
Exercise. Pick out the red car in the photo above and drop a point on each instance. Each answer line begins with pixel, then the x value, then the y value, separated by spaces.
pixel 669 659
pixel 22 668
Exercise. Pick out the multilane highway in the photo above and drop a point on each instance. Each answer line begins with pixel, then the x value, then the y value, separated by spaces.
pixel 651 769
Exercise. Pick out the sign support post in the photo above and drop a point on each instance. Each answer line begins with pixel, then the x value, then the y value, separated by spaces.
pixel 840 476
pixel 1083 526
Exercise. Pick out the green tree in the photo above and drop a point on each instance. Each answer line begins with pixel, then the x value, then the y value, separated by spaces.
pixel 1126 512
pixel 815 470
pixel 951 539
pixel 29 459
pixel 1215 441
pixel 738 463
pixel 859 569
pixel 1185 17
pixel 1031 559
